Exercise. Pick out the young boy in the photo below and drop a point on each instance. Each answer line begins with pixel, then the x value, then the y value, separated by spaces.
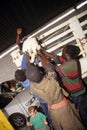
pixel 37 119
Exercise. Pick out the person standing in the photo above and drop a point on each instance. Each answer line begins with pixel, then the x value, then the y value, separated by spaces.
pixel 69 72
pixel 37 119
pixel 20 75
pixel 63 113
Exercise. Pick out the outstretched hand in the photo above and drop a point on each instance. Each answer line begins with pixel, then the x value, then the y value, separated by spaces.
pixel 49 67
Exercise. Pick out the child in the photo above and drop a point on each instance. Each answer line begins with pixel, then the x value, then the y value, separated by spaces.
pixel 37 119
pixel 70 73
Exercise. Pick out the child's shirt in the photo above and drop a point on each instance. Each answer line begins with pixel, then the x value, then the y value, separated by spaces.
pixel 38 120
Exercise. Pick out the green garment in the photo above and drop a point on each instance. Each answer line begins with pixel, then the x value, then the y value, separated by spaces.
pixel 69 73
pixel 38 120
pixel 28 128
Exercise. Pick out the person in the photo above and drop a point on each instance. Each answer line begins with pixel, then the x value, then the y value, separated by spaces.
pixel 19 41
pixel 71 77
pixel 53 57
pixel 70 72
pixel 26 58
pixel 5 90
pixel 6 87
pixel 63 113
pixel 26 128
pixel 37 119
pixel 20 76
pixel 70 52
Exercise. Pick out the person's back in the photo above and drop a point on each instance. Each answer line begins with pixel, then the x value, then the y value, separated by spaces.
pixel 20 76
pixel 61 110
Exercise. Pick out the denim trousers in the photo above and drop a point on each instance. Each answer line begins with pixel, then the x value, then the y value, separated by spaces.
pixel 81 104
pixel 46 111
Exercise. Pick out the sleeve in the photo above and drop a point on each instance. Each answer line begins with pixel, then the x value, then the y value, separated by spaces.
pixel 26 83
pixel 24 62
pixel 60 71
pixel 59 60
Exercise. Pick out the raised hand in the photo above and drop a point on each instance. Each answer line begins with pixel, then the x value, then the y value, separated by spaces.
pixel 19 31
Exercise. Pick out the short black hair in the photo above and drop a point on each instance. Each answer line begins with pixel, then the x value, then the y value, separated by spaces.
pixel 72 50
pixel 20 75
pixel 34 74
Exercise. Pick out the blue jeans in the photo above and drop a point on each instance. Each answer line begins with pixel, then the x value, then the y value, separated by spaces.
pixel 81 104
pixel 46 112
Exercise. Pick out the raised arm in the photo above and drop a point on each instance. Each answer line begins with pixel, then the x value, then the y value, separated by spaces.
pixel 49 55
pixel 45 62
pixel 18 37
